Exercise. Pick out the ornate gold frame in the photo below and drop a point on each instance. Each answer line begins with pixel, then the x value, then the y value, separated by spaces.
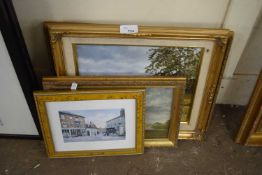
pixel 116 82
pixel 221 39
pixel 250 130
pixel 41 97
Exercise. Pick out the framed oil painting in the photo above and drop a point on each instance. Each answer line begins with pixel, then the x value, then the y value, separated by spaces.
pixel 164 96
pixel 101 50
pixel 91 123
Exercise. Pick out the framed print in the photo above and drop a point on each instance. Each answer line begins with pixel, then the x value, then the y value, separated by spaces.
pixel 91 123
pixel 101 50
pixel 164 96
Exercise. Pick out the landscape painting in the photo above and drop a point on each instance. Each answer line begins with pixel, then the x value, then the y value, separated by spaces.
pixel 127 60
pixel 158 112
pixel 93 125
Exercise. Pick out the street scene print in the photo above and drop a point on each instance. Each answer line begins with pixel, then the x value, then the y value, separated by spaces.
pixel 143 60
pixel 93 125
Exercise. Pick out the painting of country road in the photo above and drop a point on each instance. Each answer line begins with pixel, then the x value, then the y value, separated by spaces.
pixel 93 125
pixel 107 60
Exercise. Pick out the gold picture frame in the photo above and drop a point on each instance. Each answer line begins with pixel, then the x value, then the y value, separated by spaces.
pixel 73 122
pixel 211 46
pixel 177 85
pixel 250 131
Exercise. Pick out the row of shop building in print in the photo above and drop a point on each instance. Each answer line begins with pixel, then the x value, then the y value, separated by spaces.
pixel 74 125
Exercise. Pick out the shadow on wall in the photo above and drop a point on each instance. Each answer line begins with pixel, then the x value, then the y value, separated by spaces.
pixel 35 39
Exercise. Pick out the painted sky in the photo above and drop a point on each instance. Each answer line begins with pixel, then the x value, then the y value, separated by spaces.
pixel 98 117
pixel 158 104
pixel 112 60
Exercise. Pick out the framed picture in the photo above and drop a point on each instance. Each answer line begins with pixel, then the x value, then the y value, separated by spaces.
pixel 91 123
pixel 101 50
pixel 16 59
pixel 250 131
pixel 164 97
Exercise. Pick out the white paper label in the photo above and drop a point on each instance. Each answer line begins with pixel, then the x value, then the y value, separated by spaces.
pixel 128 29
pixel 73 86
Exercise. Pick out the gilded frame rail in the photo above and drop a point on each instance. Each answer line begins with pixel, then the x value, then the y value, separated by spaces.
pixel 43 97
pixel 220 39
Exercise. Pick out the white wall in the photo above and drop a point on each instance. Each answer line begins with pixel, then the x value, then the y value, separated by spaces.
pixel 32 13
pixel 15 117
pixel 238 15
pixel 238 88
pixel 241 17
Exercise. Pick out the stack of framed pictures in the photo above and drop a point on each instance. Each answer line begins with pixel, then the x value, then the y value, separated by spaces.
pixel 162 108
pixel 178 69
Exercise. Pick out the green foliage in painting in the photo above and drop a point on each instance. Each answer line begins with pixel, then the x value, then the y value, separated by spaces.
pixel 159 125
pixel 175 61
pixel 158 130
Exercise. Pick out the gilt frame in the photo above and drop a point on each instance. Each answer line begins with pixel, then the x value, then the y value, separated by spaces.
pixel 134 82
pixel 220 39
pixel 43 97
pixel 250 131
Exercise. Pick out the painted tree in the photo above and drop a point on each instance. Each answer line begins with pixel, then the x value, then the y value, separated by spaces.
pixel 175 61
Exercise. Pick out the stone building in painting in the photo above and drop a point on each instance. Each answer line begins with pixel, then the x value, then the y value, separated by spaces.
pixel 117 124
pixel 74 125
